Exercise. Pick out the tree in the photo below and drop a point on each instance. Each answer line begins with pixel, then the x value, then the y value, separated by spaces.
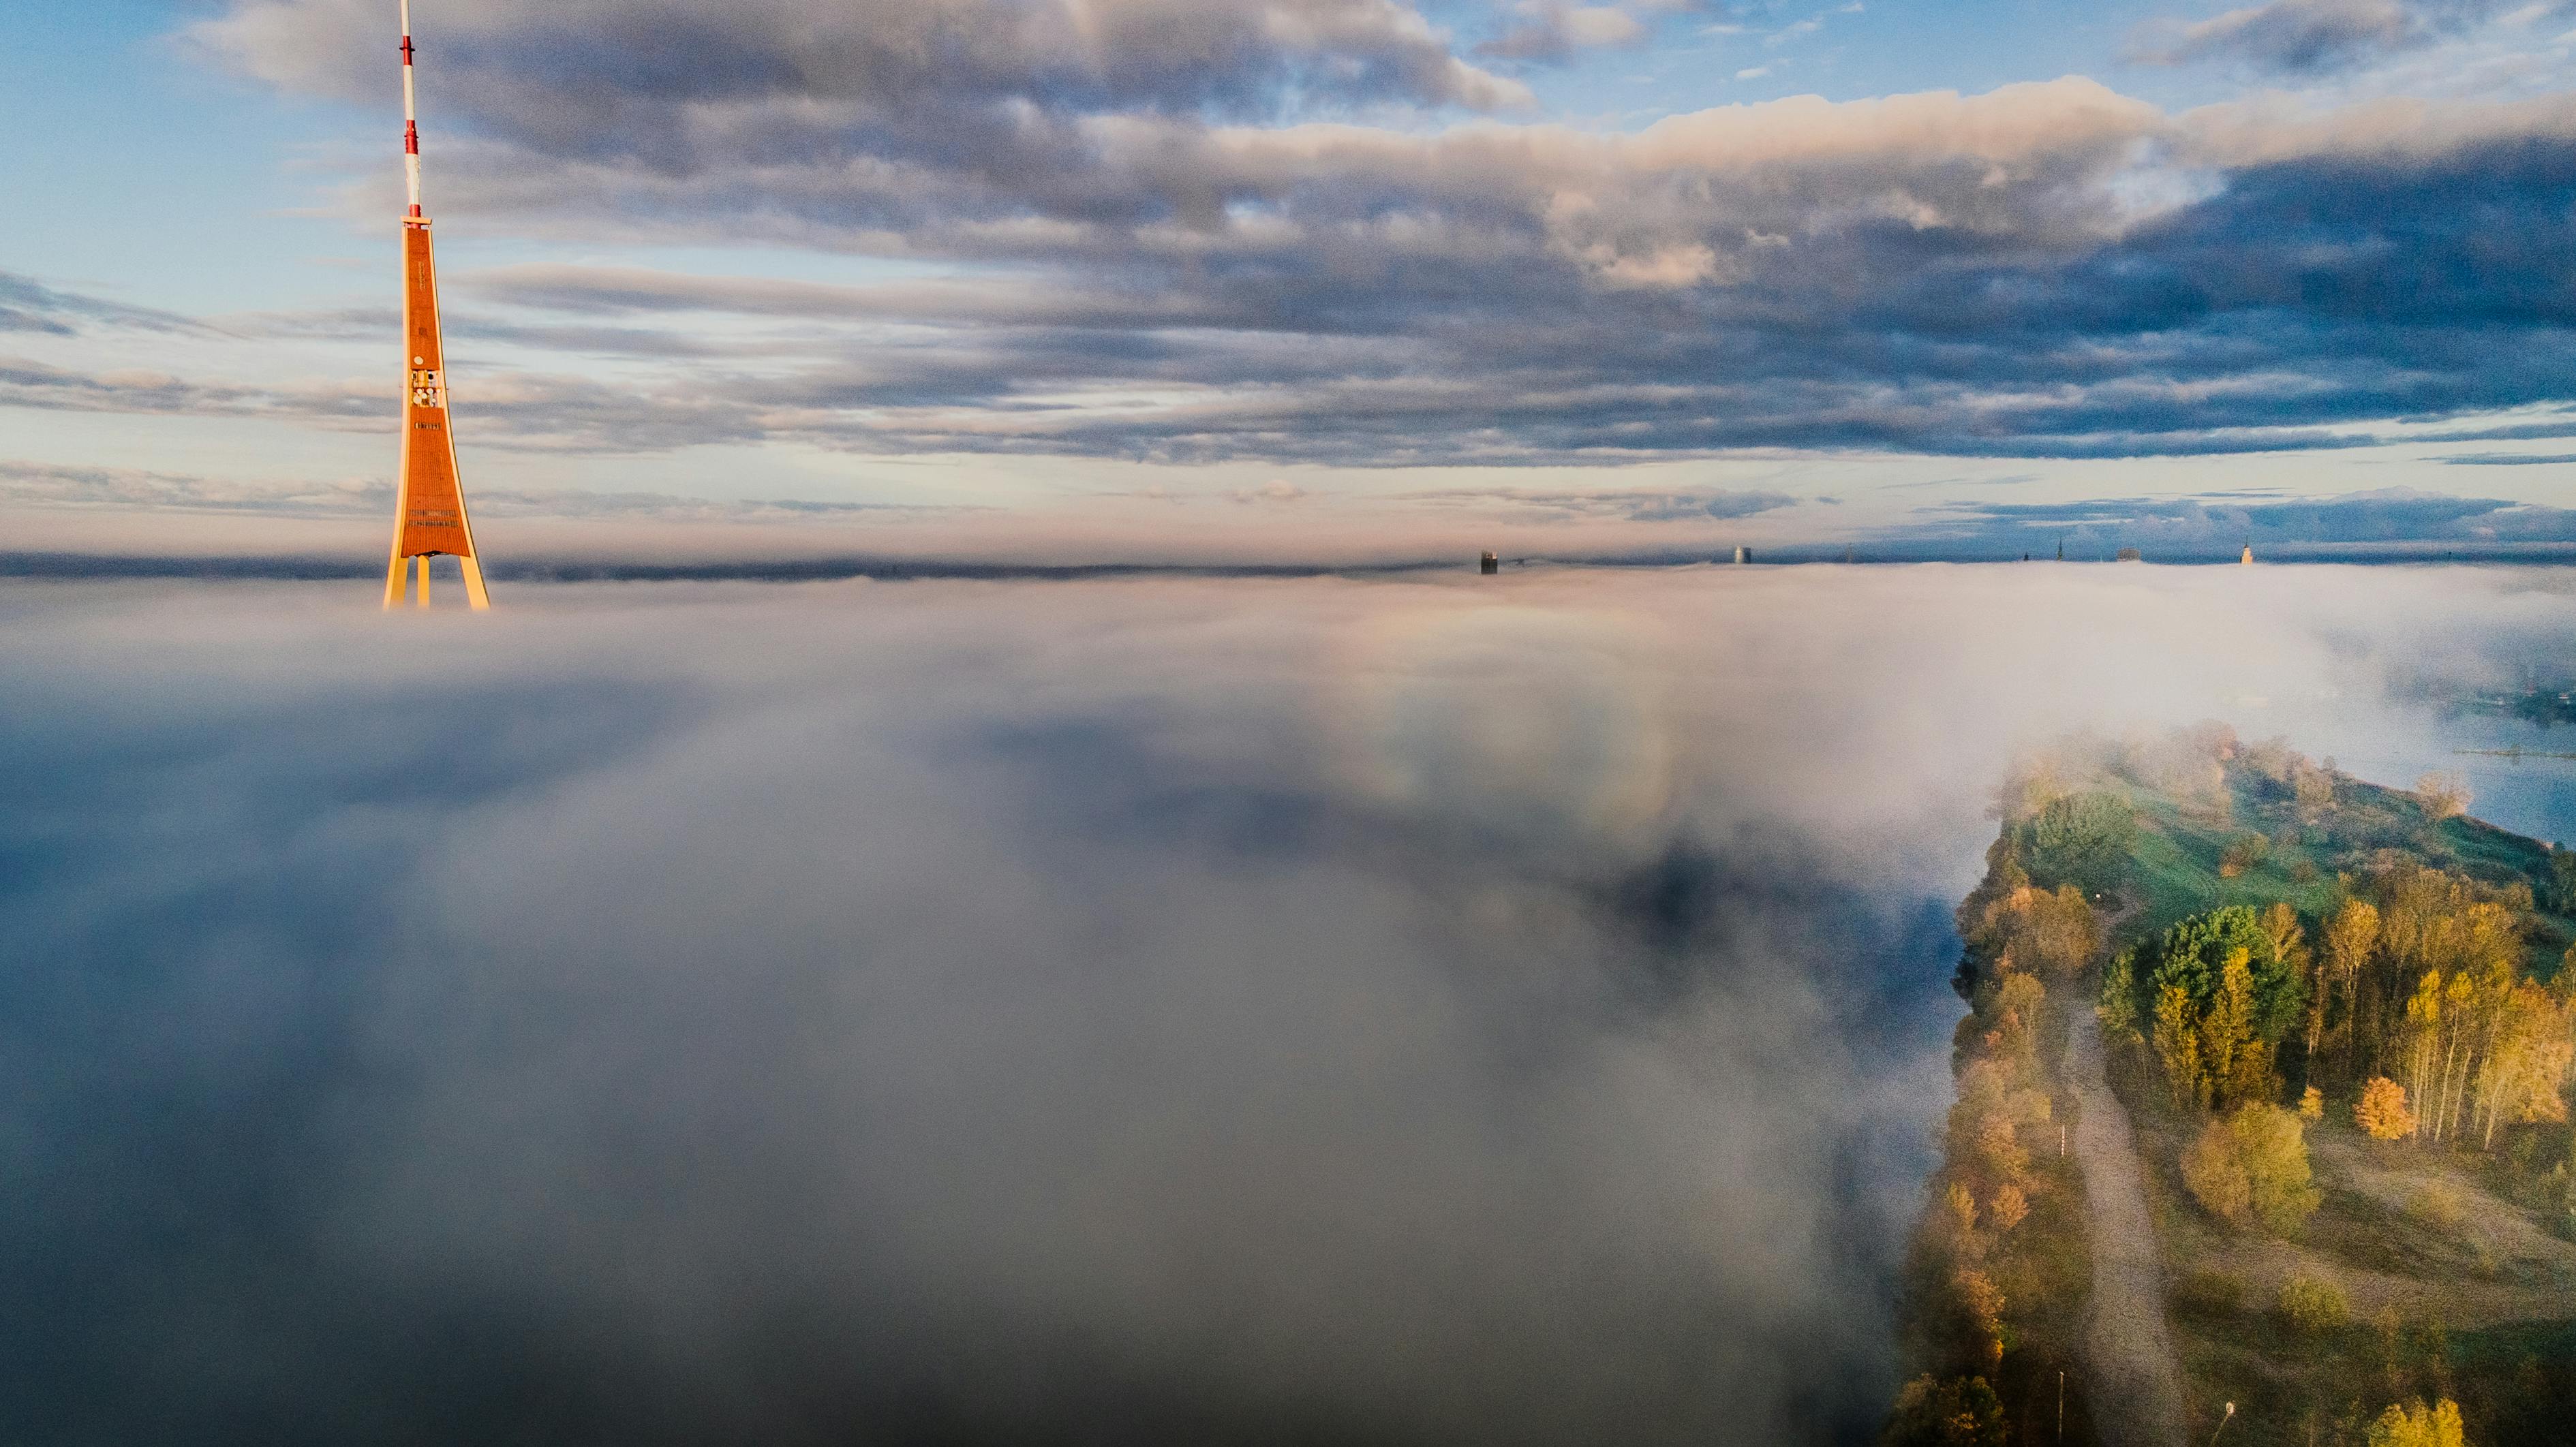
pixel 2274 1151
pixel 2118 1010
pixel 2445 796
pixel 2009 1208
pixel 2015 1012
pixel 2244 852
pixel 2215 1175
pixel 1959 1412
pixel 2562 880
pixel 2177 1042
pixel 1981 1306
pixel 2529 1051
pixel 2382 1112
pixel 2080 839
pixel 2315 790
pixel 2058 930
pixel 2236 1061
pixel 2313 1305
pixel 2253 1165
pixel 1999 1149
pixel 2194 955
pixel 2289 941
pixel 2417 1425
pixel 2312 1105
pixel 2352 936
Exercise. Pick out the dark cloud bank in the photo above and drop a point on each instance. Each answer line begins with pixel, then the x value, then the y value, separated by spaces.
pixel 1135 1011
pixel 1317 229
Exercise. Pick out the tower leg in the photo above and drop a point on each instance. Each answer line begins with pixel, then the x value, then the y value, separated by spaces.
pixel 397 573
pixel 424 580
pixel 474 592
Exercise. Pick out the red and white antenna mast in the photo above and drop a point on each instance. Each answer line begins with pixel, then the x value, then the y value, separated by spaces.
pixel 411 121
pixel 429 501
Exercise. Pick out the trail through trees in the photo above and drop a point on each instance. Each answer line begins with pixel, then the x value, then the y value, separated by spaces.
pixel 2137 1383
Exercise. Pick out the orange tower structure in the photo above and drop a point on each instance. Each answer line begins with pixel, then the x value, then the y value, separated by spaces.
pixel 429 501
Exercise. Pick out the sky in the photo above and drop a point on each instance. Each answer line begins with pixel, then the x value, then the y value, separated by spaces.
pixel 1410 1009
pixel 1303 279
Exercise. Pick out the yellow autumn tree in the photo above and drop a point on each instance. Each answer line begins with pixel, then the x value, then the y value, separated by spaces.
pixel 2419 1425
pixel 1982 1303
pixel 2531 1047
pixel 2216 1177
pixel 2382 1112
pixel 2234 1059
pixel 2177 1041
pixel 2352 938
pixel 2253 1166
pixel 2273 1148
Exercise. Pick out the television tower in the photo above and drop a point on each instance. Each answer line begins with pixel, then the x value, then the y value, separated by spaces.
pixel 429 502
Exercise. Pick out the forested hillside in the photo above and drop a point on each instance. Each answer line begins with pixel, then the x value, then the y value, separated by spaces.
pixel 2340 1019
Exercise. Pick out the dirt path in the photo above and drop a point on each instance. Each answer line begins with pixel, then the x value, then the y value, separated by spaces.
pixel 2137 1385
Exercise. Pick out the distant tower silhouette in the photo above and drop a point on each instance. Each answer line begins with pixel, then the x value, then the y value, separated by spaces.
pixel 1743 554
pixel 429 501
pixel 2247 557
pixel 1489 564
pixel 2061 550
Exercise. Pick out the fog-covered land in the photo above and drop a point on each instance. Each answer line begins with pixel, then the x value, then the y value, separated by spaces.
pixel 1437 1009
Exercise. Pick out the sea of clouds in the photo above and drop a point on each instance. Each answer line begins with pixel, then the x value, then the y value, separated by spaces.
pixel 1360 1010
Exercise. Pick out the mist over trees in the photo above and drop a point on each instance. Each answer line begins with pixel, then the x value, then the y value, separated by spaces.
pixel 2412 996
pixel 2312 987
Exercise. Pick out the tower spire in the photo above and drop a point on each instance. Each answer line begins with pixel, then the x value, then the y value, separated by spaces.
pixel 429 501
pixel 411 120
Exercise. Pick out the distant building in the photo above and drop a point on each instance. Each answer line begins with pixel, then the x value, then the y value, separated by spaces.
pixel 2247 557
pixel 2127 555
pixel 1488 564
pixel 1743 554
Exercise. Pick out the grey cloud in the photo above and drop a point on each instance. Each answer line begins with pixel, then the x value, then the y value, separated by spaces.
pixel 590 75
pixel 27 382
pixel 41 484
pixel 1676 505
pixel 2307 37
pixel 2512 459
pixel 2049 270
pixel 2218 525
pixel 27 305
pixel 495 407
pixel 1554 30
pixel 57 485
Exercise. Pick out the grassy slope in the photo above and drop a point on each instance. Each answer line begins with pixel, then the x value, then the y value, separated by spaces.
pixel 2514 1370
pixel 2174 865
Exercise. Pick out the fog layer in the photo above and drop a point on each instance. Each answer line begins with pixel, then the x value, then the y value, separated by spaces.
pixel 1462 1010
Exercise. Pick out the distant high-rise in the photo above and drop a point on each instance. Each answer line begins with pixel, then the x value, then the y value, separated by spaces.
pixel 429 500
pixel 2247 557
pixel 1489 564
pixel 1743 554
